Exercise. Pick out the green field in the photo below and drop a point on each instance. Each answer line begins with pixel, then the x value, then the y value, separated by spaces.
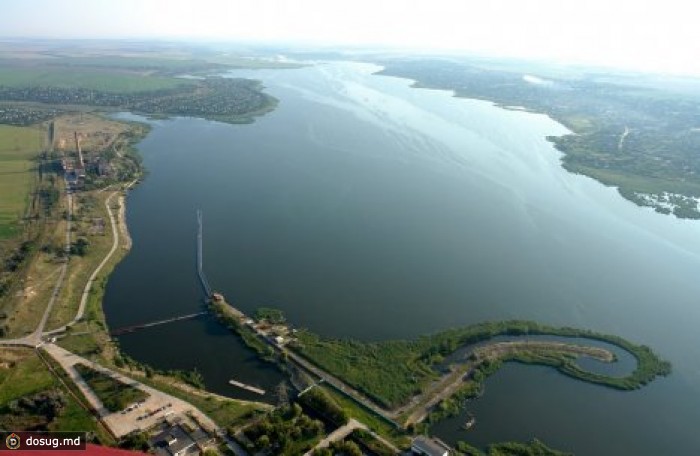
pixel 141 63
pixel 25 385
pixel 18 146
pixel 26 376
pixel 84 78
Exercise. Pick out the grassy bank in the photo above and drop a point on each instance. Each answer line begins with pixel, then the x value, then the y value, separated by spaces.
pixel 532 448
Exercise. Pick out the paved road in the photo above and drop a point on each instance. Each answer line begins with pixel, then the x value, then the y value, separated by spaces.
pixel 442 389
pixel 91 280
pixel 338 434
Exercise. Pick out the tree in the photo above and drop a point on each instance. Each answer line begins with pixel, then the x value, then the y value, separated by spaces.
pixel 263 441
pixel 79 247
pixel 135 441
pixel 346 447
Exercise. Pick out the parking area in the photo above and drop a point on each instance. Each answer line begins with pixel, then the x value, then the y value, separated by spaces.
pixel 139 416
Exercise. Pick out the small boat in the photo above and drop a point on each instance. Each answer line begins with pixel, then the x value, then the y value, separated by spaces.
pixel 471 421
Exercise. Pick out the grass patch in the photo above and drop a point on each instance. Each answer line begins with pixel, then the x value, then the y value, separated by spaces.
pixel 81 344
pixel 388 372
pixel 30 380
pixel 371 420
pixel 24 376
pixel 113 394
pixel 225 412
pixel 18 146
pixel 374 445
pixel 73 418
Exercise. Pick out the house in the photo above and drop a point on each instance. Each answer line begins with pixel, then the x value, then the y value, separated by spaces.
pixel 202 438
pixel 180 437
pixel 174 441
pixel 424 446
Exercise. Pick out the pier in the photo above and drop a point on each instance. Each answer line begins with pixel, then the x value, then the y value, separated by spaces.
pixel 133 328
pixel 200 256
pixel 205 286
pixel 247 387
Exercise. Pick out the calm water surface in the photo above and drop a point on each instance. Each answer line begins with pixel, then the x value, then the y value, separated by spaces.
pixel 364 208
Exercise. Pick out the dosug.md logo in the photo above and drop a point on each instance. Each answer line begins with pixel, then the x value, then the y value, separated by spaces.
pixel 12 441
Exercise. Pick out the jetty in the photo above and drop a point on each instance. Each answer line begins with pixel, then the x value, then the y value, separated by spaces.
pixel 250 388
pixel 200 256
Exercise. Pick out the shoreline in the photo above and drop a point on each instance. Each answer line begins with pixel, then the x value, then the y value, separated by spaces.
pixel 121 217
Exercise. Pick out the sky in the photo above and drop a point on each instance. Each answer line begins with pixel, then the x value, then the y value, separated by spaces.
pixel 648 35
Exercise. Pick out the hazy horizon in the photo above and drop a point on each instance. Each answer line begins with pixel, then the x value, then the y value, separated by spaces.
pixel 656 36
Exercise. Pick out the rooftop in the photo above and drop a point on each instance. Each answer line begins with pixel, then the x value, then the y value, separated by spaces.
pixel 428 447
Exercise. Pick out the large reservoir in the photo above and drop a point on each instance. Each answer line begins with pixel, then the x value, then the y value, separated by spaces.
pixel 365 208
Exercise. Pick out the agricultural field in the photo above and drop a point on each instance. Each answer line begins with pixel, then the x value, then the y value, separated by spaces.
pixel 18 147
pixel 102 79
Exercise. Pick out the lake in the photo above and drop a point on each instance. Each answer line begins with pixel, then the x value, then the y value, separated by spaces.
pixel 365 208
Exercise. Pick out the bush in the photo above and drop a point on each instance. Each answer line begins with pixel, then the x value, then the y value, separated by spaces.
pixel 324 405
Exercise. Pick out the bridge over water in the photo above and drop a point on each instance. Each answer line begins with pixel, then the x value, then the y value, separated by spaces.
pixel 133 328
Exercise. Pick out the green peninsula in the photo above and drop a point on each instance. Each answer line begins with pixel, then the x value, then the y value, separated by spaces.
pixel 632 132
